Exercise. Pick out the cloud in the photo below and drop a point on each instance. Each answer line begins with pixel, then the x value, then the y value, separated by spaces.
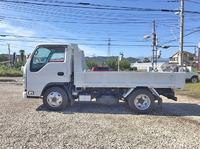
pixel 7 28
pixel 15 30
pixel 91 52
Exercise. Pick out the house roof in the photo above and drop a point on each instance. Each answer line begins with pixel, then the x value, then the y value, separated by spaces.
pixel 188 53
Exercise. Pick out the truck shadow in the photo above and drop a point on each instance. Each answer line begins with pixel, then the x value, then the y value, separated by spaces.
pixel 168 109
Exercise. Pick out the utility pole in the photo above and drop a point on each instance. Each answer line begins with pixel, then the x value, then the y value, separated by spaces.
pixel 109 47
pixel 153 43
pixel 156 40
pixel 9 53
pixel 181 34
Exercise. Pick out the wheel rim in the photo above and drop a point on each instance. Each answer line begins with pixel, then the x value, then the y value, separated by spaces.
pixel 54 99
pixel 194 80
pixel 142 102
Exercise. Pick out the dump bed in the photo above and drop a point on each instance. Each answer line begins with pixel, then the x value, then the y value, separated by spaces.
pixel 129 79
pixel 84 79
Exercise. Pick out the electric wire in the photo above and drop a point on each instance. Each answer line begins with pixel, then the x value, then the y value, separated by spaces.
pixel 87 6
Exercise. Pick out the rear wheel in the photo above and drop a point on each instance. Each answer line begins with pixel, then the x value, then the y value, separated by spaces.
pixel 141 101
pixel 194 79
pixel 55 98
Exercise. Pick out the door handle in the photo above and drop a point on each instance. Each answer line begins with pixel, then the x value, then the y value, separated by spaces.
pixel 60 73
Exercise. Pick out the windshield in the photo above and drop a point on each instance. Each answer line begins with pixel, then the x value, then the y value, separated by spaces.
pixel 44 55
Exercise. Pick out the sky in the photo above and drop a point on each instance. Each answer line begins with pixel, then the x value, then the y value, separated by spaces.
pixel 91 23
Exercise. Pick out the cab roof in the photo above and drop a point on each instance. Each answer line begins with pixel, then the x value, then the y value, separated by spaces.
pixel 54 44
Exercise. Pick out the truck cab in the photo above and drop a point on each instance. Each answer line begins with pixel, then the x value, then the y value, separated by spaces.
pixel 48 64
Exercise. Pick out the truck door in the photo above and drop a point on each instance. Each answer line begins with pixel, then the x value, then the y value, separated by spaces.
pixel 48 64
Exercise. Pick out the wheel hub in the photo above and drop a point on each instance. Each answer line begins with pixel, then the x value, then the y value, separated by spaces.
pixel 54 99
pixel 142 102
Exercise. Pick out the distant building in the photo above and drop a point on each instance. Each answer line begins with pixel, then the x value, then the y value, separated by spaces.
pixel 148 66
pixel 189 59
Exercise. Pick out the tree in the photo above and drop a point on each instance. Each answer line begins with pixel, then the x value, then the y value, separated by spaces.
pixel 112 63
pixel 125 64
pixel 91 63
pixel 22 54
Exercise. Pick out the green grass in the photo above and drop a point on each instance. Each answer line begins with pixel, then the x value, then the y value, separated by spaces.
pixel 13 72
pixel 192 88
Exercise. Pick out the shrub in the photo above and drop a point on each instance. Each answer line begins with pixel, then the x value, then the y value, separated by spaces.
pixel 125 65
pixel 112 63
pixel 5 71
pixel 18 65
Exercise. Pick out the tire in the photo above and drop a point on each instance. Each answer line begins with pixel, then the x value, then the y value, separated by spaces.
pixel 194 79
pixel 55 99
pixel 141 101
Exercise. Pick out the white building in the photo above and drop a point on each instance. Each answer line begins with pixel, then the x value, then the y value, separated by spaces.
pixel 147 66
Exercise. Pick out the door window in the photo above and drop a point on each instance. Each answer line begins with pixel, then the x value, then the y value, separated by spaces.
pixel 44 55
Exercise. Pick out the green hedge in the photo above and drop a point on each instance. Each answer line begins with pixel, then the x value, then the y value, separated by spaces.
pixel 10 72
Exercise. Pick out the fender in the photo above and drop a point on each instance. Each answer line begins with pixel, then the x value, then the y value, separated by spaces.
pixel 65 86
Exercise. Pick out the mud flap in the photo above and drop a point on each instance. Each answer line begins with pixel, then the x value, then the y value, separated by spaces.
pixel 160 102
pixel 157 96
pixel 167 92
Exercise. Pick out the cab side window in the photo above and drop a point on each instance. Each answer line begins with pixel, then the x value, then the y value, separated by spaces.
pixel 44 55
pixel 57 56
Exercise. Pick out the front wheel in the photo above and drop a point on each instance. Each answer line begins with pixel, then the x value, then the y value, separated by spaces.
pixel 141 101
pixel 55 98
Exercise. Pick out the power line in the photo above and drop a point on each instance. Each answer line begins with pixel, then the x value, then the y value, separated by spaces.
pixel 63 14
pixel 60 10
pixel 116 20
pixel 100 7
pixel 192 32
pixel 105 44
pixel 67 38
pixel 183 36
pixel 72 22
pixel 100 22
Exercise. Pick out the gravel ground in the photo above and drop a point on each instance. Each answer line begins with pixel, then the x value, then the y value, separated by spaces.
pixel 25 123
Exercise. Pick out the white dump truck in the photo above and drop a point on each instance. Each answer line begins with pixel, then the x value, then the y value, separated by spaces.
pixel 57 73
